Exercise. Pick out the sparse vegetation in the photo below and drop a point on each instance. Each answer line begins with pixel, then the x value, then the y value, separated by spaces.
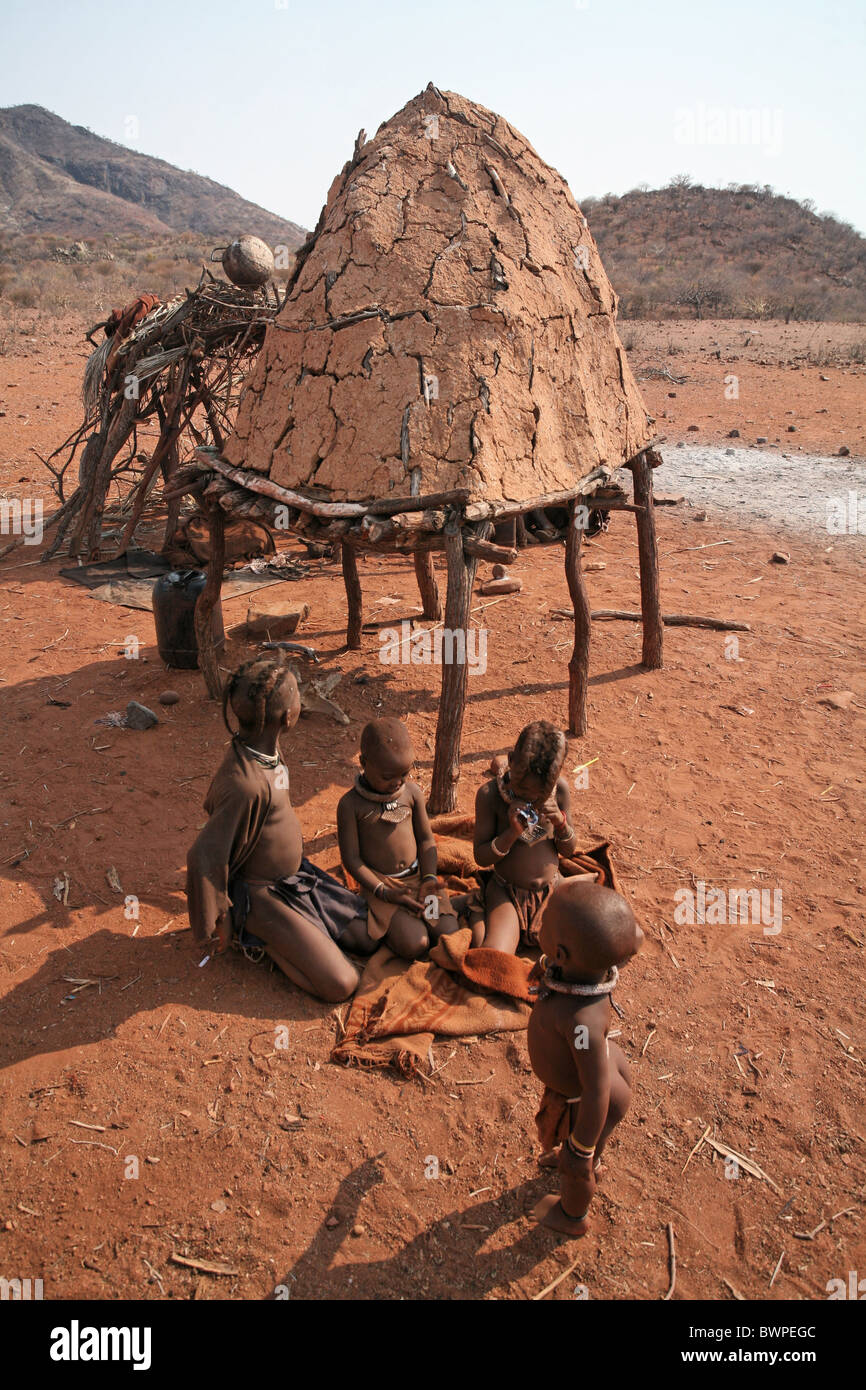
pixel 762 255
pixel 37 273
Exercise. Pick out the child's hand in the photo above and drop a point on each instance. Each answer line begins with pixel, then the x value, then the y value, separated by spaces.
pixel 515 820
pixel 552 811
pixel 414 905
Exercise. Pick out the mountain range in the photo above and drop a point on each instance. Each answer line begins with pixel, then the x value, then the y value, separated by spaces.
pixel 64 181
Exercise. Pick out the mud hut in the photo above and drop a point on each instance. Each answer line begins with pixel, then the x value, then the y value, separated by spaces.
pixel 446 358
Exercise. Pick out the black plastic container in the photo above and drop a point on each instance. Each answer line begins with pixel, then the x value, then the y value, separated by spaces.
pixel 174 600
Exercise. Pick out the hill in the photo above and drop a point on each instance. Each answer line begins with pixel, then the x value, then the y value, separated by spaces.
pixel 62 180
pixel 739 251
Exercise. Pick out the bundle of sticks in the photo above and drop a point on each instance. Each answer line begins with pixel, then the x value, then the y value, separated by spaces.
pixel 175 379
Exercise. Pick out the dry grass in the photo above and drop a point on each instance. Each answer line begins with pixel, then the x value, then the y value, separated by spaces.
pixel 114 271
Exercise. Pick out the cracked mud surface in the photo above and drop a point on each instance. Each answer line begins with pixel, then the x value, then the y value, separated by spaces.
pixel 450 324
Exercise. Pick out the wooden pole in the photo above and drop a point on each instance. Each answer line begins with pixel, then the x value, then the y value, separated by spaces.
pixel 427 586
pixel 354 598
pixel 208 599
pixel 578 667
pixel 452 702
pixel 105 449
pixel 650 598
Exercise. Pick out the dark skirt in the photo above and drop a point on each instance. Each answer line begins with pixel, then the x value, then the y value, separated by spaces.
pixel 316 895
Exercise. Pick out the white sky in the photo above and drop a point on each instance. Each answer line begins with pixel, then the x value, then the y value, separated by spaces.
pixel 267 96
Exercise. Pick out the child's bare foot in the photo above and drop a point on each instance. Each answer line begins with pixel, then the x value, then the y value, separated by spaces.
pixel 551 1213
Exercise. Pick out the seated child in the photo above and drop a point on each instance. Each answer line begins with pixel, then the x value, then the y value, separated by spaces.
pixel 248 882
pixel 588 933
pixel 521 828
pixel 386 844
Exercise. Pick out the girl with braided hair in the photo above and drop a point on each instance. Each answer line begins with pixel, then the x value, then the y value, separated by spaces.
pixel 522 829
pixel 249 883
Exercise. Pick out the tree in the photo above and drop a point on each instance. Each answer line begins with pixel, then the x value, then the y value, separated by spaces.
pixel 700 293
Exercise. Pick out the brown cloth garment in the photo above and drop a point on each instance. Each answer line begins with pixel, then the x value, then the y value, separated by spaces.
pixel 528 903
pixel 237 802
pixel 380 913
pixel 121 322
pixel 460 991
pixel 553 1121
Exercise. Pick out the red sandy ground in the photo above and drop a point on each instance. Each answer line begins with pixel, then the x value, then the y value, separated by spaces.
pixel 247 1151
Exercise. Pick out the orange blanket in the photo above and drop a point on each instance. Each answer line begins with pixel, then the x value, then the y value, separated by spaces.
pixel 461 990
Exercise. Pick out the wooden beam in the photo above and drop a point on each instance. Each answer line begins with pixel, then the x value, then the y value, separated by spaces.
pixel 648 555
pixel 387 506
pixel 257 482
pixel 383 507
pixel 407 524
pixel 486 550
pixel 354 597
pixel 578 667
pixel 584 487
pixel 427 586
pixel 452 703
pixel 207 603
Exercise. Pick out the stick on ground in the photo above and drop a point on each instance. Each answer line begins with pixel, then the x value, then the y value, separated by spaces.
pixel 672 1259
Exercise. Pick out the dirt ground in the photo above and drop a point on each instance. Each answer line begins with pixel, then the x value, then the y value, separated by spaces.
pixel 760 378
pixel 725 768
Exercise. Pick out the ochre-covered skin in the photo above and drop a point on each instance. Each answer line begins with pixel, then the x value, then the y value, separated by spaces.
pixel 490 358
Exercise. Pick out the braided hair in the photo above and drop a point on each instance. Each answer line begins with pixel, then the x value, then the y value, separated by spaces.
pixel 252 692
pixel 540 751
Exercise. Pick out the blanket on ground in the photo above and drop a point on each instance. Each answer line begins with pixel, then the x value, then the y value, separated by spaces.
pixel 460 991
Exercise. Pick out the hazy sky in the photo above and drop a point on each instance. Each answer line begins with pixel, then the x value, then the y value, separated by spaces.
pixel 267 96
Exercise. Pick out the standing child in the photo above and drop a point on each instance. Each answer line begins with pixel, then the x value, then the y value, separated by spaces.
pixel 386 844
pixel 521 829
pixel 247 878
pixel 588 933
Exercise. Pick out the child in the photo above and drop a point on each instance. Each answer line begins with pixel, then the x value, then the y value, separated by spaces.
pixel 588 933
pixel 247 878
pixel 521 829
pixel 386 844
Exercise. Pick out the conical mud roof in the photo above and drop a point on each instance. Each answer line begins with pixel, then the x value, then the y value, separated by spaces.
pixel 449 324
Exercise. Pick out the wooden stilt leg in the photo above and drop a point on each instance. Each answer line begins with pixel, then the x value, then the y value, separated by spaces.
pixel 427 586
pixel 650 599
pixel 452 703
pixel 354 598
pixel 208 657
pixel 578 667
